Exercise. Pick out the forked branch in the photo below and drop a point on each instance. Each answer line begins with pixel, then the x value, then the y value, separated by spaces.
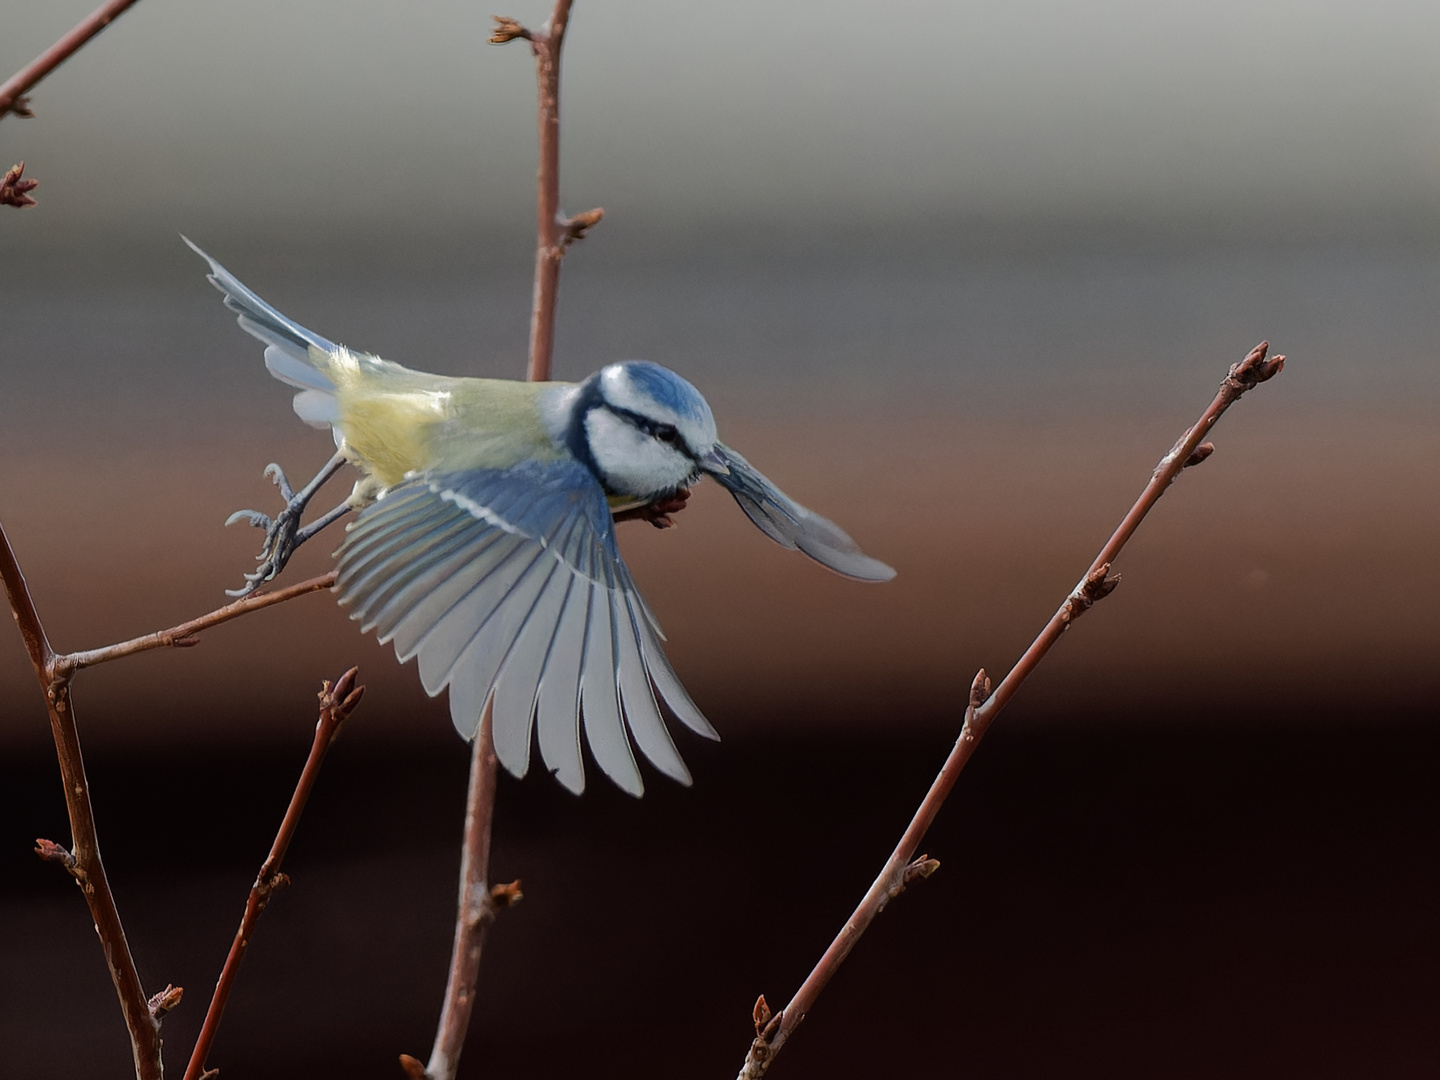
pixel 55 672
pixel 773 1031
pixel 83 859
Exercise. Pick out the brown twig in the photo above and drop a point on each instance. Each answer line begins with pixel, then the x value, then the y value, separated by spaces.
pixel 184 635
pixel 772 1032
pixel 336 705
pixel 84 865
pixel 12 93
pixel 479 903
pixel 477 908
pixel 55 672
pixel 555 230
pixel 14 191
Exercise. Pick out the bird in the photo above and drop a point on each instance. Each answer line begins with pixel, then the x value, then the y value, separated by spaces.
pixel 484 542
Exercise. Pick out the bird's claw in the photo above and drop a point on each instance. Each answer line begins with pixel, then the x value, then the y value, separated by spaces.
pixel 280 533
pixel 658 512
pixel 254 517
pixel 276 475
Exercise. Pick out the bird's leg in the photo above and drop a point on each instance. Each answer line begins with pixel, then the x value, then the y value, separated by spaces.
pixel 658 512
pixel 283 533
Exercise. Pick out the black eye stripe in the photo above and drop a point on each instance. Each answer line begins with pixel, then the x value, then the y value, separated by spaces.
pixel 656 429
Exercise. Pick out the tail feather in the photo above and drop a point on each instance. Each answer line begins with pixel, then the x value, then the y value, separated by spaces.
pixel 290 348
pixel 293 372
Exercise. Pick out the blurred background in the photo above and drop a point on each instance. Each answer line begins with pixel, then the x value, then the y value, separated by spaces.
pixel 955 275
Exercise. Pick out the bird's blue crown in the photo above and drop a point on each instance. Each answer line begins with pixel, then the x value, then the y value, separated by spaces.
pixel 668 390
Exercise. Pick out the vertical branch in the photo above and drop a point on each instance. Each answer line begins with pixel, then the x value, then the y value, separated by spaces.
pixel 555 232
pixel 477 908
pixel 479 903
pixel 142 1016
pixel 12 92
pixel 336 705
pixel 548 247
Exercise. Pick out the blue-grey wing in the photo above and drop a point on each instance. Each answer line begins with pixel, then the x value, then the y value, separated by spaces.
pixel 509 587
pixel 788 523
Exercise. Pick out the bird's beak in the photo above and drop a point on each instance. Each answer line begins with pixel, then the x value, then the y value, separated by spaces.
pixel 714 462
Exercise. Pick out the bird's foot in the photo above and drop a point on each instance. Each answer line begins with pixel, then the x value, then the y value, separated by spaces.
pixel 280 532
pixel 658 512
pixel 283 533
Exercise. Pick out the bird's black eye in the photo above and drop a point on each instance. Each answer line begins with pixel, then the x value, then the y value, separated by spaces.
pixel 667 433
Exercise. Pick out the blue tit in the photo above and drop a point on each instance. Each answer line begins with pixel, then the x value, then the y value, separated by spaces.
pixel 485 543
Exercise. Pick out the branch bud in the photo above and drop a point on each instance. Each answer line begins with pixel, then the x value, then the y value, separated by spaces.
pixel 1254 369
pixel 761 1015
pixel 503 896
pixel 506 29
pixel 920 868
pixel 165 1000
pixel 413 1068
pixel 13 190
pixel 341 699
pixel 1203 451
pixel 53 852
pixel 979 689
pixel 1097 585
pixel 577 226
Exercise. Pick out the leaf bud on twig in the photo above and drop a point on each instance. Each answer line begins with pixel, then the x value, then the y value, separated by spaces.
pixel 1201 452
pixel 761 1015
pixel 53 852
pixel 165 1000
pixel 507 29
pixel 980 689
pixel 504 896
pixel 13 189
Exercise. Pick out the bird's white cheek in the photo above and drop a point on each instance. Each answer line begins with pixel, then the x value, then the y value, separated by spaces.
pixel 631 462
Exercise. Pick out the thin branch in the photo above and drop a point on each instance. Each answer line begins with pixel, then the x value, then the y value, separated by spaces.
pixel 477 908
pixel 12 93
pixel 902 868
pixel 85 865
pixel 184 635
pixel 555 231
pixel 479 903
pixel 336 705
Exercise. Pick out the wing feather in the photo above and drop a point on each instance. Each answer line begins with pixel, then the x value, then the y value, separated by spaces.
pixel 470 616
pixel 517 687
pixel 473 677
pixel 381 580
pixel 425 614
pixel 791 525
pixel 558 711
pixel 599 697
pixel 641 712
pixel 508 586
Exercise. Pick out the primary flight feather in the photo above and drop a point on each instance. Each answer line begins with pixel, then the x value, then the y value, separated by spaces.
pixel 485 544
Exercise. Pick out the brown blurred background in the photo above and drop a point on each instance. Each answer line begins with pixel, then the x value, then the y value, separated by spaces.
pixel 956 281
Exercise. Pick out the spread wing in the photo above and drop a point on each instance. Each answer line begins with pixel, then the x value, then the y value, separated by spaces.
pixel 508 585
pixel 787 522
